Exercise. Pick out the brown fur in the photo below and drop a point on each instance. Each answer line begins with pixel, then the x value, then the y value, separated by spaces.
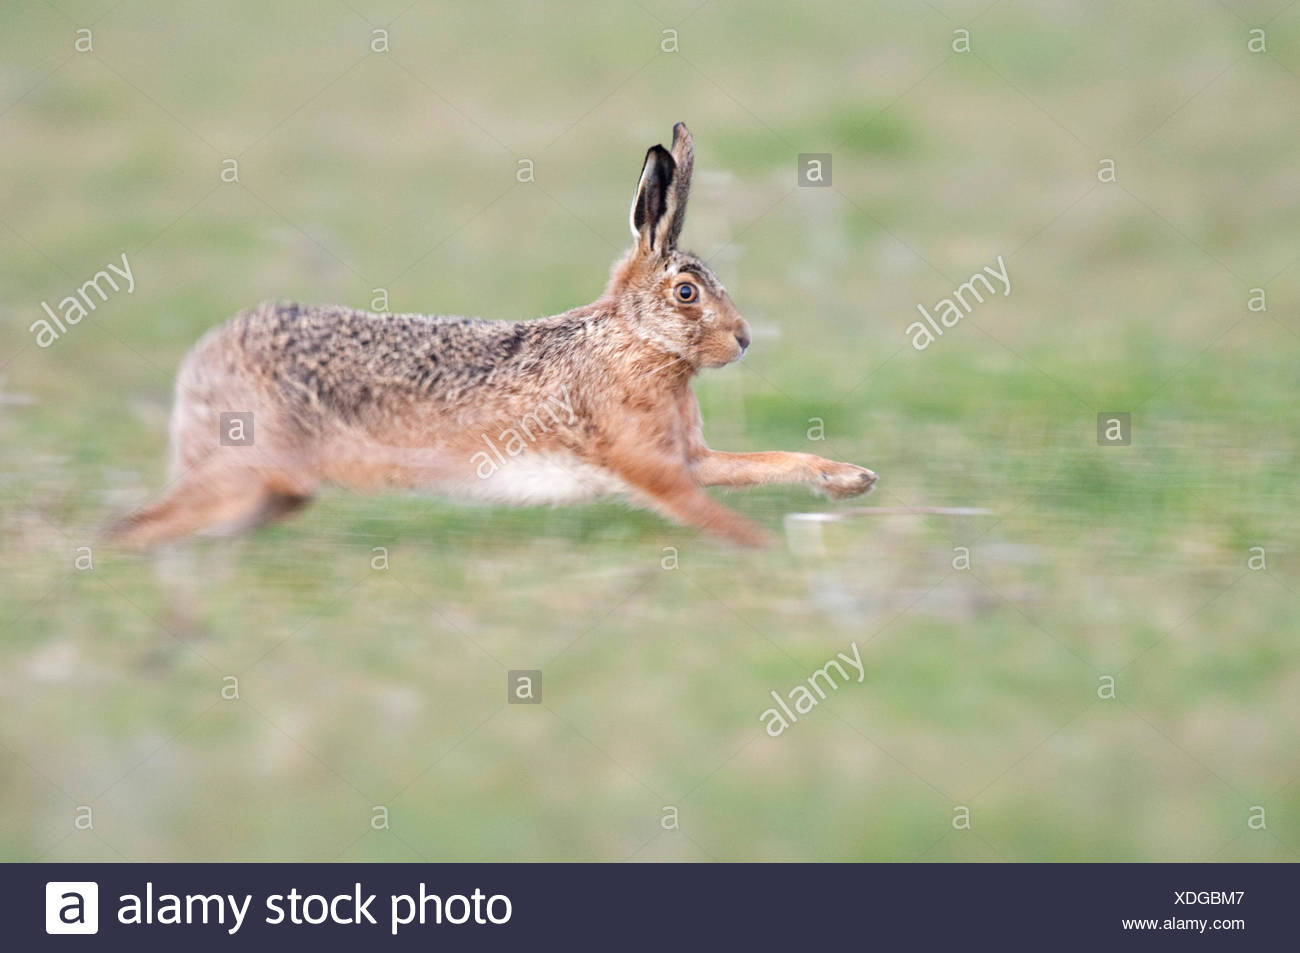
pixel 408 400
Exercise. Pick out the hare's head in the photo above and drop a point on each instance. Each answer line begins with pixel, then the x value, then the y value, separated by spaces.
pixel 674 301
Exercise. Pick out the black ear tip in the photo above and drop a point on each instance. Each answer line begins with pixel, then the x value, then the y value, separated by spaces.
pixel 679 130
pixel 660 153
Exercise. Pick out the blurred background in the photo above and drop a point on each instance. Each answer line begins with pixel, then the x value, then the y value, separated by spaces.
pixel 379 148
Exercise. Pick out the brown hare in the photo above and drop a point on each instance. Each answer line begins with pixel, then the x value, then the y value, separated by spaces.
pixel 597 401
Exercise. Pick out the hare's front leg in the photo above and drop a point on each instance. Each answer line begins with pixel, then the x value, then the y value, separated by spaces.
pixel 839 481
pixel 670 488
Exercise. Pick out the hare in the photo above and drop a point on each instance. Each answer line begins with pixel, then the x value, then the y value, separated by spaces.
pixel 594 402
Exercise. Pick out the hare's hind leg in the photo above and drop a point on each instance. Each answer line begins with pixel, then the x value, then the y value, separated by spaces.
pixel 231 498
pixel 277 505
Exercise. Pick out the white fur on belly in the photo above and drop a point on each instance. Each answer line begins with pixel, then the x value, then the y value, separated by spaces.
pixel 532 479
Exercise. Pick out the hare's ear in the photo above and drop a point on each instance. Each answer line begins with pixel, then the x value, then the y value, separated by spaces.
pixel 683 153
pixel 659 209
pixel 650 208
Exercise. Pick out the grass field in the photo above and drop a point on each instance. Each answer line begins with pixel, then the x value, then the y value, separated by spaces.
pixel 985 689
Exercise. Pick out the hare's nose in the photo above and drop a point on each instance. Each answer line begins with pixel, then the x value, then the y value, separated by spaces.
pixel 742 338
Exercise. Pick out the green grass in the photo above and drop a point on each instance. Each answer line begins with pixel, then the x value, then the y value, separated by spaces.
pixel 361 687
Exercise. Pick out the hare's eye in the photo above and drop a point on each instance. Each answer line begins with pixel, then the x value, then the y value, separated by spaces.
pixel 687 292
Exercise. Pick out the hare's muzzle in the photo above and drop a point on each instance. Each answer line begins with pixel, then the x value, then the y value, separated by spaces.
pixel 741 332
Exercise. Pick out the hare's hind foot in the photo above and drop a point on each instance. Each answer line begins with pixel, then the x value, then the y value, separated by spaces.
pixel 275 505
pixel 225 501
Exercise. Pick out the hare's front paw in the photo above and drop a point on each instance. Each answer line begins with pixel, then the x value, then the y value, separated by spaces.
pixel 840 481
